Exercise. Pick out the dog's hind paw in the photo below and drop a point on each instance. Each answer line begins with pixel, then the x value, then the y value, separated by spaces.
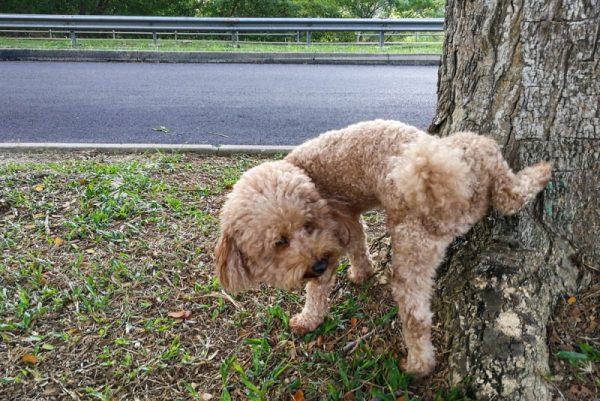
pixel 360 274
pixel 421 363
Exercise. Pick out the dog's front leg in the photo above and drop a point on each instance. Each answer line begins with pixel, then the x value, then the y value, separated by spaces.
pixel 416 255
pixel 316 306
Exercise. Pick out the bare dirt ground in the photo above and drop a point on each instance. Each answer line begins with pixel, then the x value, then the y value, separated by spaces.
pixel 108 293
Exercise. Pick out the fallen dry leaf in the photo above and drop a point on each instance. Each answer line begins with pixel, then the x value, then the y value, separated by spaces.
pixel 39 187
pixel 182 314
pixel 349 396
pixel 580 391
pixel 51 390
pixel 58 241
pixel 299 395
pixel 571 300
pixel 353 322
pixel 293 353
pixel 574 312
pixel 30 359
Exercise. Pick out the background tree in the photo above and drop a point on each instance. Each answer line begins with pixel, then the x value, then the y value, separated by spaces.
pixel 249 8
pixel 525 73
pixel 418 8
pixel 100 7
pixel 231 8
pixel 367 8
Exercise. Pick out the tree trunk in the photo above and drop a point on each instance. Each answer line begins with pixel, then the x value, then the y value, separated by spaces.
pixel 527 74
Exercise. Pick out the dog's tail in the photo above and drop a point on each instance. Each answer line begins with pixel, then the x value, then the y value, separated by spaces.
pixel 432 179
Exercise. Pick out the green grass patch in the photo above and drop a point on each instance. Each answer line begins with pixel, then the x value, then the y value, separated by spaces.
pixel 98 254
pixel 409 45
pixel 585 362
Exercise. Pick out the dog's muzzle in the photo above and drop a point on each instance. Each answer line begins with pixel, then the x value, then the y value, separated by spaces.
pixel 320 266
pixel 317 269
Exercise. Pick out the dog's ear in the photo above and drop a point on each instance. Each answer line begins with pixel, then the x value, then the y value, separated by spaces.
pixel 231 266
pixel 344 220
pixel 343 230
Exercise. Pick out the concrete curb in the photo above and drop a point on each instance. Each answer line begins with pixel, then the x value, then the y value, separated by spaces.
pixel 217 57
pixel 32 147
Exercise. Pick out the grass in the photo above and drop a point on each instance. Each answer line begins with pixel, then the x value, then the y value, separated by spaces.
pixel 108 293
pixel 583 359
pixel 410 47
pixel 575 345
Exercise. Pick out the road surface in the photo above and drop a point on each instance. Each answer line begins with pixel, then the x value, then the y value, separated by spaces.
pixel 261 104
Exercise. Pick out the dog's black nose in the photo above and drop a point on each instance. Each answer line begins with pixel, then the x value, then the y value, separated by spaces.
pixel 320 266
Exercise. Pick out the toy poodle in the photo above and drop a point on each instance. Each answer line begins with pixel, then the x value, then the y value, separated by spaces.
pixel 287 223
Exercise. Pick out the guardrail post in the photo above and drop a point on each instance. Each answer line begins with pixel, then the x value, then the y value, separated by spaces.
pixel 381 38
pixel 235 37
pixel 155 38
pixel 114 34
pixel 73 38
pixel 308 38
pixel 50 30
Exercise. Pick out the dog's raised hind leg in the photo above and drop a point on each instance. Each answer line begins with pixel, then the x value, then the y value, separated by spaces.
pixel 511 191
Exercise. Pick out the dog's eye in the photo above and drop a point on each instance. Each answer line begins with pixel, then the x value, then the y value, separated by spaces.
pixel 309 227
pixel 282 242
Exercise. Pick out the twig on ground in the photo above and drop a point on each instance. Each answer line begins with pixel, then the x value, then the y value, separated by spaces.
pixel 223 295
pixel 377 240
pixel 558 390
pixel 47 223
pixel 352 345
pixel 219 134
pixel 69 392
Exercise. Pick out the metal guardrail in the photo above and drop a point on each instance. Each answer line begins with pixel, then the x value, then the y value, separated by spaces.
pixel 75 23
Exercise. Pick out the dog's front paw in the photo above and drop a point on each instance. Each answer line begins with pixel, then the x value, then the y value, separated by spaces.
pixel 420 363
pixel 302 324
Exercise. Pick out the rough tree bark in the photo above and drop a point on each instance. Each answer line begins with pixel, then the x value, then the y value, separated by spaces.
pixel 525 72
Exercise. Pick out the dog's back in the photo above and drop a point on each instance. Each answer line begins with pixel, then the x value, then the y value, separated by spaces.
pixel 346 164
pixel 452 181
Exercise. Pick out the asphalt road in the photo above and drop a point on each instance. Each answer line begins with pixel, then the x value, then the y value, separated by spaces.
pixel 262 104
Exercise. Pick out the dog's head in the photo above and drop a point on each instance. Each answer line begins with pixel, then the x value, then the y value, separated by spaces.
pixel 277 229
